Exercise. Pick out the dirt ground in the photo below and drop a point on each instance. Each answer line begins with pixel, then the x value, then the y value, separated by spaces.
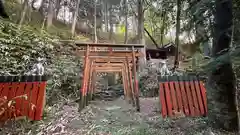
pixel 113 118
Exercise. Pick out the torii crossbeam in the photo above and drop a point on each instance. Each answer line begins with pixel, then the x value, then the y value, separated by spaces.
pixel 105 57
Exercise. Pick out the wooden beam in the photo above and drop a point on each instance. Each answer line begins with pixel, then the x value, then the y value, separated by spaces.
pixel 115 54
pixel 108 71
pixel 110 64
pixel 80 43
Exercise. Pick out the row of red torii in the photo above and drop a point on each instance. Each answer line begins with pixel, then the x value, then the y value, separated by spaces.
pixel 114 58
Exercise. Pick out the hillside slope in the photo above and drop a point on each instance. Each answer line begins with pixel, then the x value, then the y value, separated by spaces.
pixel 35 20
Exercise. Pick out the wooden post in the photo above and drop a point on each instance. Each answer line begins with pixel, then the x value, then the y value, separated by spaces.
pixel 84 84
pixel 136 91
pixel 92 87
pixel 133 91
pixel 127 82
pixel 124 83
pixel 88 97
pixel 130 81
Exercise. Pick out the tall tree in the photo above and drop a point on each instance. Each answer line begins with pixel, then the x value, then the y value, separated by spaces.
pixel 75 17
pixel 41 7
pixel 106 15
pixel 163 26
pixel 95 21
pixel 140 30
pixel 24 11
pixel 111 22
pixel 58 6
pixel 176 62
pixel 2 10
pixel 140 22
pixel 50 14
pixel 222 78
pixel 126 21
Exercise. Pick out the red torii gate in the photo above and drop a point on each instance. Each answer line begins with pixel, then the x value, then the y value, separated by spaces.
pixel 106 57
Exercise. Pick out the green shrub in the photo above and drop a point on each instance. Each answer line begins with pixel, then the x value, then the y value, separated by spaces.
pixel 19 50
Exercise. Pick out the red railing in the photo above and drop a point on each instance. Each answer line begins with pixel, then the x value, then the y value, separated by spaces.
pixel 185 94
pixel 30 89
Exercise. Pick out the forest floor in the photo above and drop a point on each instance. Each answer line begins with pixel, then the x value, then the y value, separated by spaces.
pixel 113 118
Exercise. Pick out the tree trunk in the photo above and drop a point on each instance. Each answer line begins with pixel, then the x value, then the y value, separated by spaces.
pixel 222 78
pixel 151 37
pixel 95 22
pixel 41 7
pixel 134 30
pixel 58 6
pixel 3 13
pixel 141 38
pixel 23 15
pixel 64 14
pixel 106 16
pixel 176 62
pixel 31 8
pixel 75 18
pixel 126 21
pixel 231 43
pixel 50 14
pixel 111 24
pixel 140 22
pixel 163 27
pixel 43 23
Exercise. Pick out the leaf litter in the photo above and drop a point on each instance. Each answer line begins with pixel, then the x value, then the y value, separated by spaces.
pixel 115 117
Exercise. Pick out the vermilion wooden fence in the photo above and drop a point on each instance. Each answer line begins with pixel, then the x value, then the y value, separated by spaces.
pixel 34 87
pixel 185 94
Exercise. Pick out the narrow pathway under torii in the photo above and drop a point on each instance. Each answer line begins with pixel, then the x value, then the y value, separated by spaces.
pixel 117 117
pixel 104 57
